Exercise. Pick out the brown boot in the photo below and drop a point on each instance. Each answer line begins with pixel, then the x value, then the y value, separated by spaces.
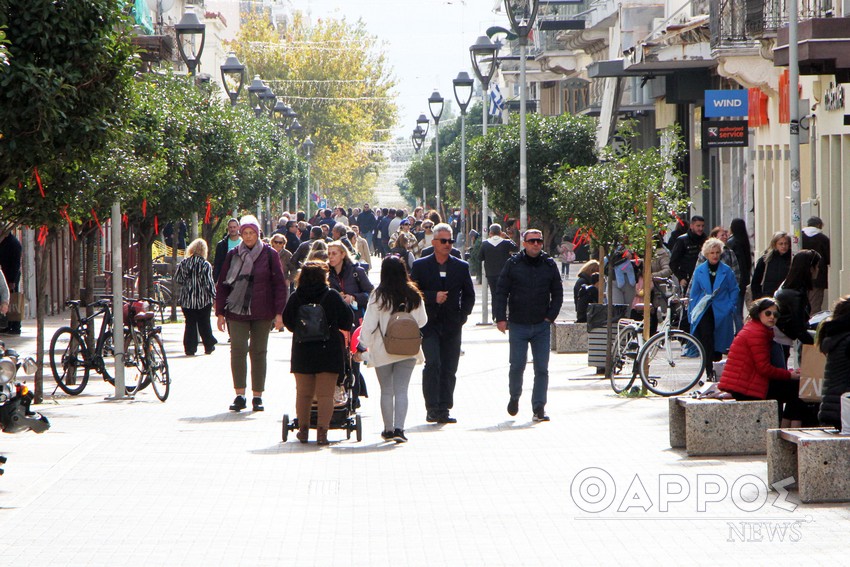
pixel 303 434
pixel 322 436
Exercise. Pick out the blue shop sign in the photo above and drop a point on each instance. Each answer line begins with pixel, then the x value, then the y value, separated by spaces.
pixel 726 103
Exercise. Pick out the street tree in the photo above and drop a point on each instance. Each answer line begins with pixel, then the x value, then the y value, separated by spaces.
pixel 335 76
pixel 64 78
pixel 618 201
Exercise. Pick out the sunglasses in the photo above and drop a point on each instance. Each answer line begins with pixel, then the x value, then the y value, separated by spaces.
pixel 535 241
pixel 770 313
pixel 444 240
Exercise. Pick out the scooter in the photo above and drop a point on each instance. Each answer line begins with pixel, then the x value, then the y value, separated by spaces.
pixel 15 398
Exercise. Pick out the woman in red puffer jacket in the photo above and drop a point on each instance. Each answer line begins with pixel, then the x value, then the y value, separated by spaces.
pixel 748 374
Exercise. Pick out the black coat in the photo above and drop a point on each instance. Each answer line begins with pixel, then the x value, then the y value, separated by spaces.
pixel 366 221
pixel 745 260
pixel 221 250
pixel 530 289
pixel 683 257
pixel 834 339
pixel 495 255
pixel 328 356
pixel 794 314
pixel 773 275
pixel 10 260
pixel 452 313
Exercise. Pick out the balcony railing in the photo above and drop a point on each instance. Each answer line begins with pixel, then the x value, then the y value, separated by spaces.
pixel 728 24
pixel 764 17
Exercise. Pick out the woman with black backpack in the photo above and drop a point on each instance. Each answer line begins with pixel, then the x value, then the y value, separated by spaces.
pixel 395 293
pixel 316 361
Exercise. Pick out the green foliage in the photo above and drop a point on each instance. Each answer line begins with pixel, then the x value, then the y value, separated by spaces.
pixel 608 200
pixel 552 142
pixel 331 74
pixel 65 86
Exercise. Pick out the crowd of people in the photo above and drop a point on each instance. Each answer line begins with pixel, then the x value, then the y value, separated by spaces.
pixel 258 284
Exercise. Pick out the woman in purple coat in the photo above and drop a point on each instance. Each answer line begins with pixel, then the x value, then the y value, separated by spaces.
pixel 250 296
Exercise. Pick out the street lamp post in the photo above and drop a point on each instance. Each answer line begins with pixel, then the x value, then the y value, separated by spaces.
pixel 418 139
pixel 521 14
pixel 284 115
pixel 463 95
pixel 255 88
pixel 188 30
pixel 483 55
pixel 307 146
pixel 232 77
pixel 435 106
pixel 423 124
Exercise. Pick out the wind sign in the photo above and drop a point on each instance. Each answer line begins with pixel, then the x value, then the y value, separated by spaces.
pixel 726 103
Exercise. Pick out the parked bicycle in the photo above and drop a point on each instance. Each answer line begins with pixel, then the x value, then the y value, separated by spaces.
pixel 74 352
pixel 670 362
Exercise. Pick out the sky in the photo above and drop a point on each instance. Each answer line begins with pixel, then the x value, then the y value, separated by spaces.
pixel 427 42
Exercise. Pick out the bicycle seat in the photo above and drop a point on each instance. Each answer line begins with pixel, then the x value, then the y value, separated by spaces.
pixel 73 302
pixel 101 303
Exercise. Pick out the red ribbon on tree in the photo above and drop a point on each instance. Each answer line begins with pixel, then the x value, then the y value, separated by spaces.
pixel 38 181
pixel 64 212
pixel 42 235
pixel 144 207
pixel 679 220
pixel 156 225
pixel 126 220
pixel 97 221
pixel 209 210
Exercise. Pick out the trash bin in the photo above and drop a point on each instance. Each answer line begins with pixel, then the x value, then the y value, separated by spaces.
pixel 597 333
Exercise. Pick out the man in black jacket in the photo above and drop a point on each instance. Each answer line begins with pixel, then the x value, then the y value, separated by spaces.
pixel 230 241
pixel 495 251
pixel 11 252
pixel 449 297
pixel 686 250
pixel 530 289
pixel 292 239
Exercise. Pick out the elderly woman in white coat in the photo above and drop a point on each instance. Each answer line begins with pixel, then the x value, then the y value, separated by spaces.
pixel 395 293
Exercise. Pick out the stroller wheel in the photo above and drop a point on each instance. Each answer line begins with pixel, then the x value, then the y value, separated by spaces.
pixel 285 427
pixel 358 427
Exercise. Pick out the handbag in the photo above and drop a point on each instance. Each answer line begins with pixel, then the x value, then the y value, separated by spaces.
pixel 748 294
pixel 17 304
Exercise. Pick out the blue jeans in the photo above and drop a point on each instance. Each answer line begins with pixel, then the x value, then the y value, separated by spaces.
pixel 520 336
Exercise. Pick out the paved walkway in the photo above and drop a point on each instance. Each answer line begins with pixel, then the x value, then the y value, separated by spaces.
pixel 187 482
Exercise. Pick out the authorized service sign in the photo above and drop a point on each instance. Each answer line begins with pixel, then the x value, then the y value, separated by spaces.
pixel 725 103
pixel 724 133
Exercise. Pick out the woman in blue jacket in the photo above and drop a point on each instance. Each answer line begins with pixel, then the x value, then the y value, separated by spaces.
pixel 713 298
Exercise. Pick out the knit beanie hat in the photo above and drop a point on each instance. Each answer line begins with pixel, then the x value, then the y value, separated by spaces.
pixel 249 221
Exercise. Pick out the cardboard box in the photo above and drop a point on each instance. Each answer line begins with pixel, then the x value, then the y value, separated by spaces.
pixel 811 374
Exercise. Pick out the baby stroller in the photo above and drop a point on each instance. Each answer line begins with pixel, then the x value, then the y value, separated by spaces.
pixel 344 414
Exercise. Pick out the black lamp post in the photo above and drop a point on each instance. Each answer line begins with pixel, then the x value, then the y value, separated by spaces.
pixel 418 139
pixel 232 77
pixel 295 130
pixel 189 31
pixel 423 124
pixel 483 55
pixel 307 147
pixel 435 106
pixel 267 100
pixel 521 14
pixel 255 88
pixel 463 95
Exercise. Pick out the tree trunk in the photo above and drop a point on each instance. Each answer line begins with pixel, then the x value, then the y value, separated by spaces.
pixel 145 237
pixel 42 255
pixel 609 359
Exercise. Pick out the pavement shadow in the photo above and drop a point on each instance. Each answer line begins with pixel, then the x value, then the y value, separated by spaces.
pixel 219 417
pixel 425 428
pixel 509 425
pixel 379 447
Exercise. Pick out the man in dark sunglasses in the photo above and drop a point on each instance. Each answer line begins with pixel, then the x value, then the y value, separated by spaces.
pixel 445 283
pixel 528 298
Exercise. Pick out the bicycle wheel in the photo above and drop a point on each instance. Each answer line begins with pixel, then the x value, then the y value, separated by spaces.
pixel 134 361
pixel 667 364
pixel 622 364
pixel 68 361
pixel 157 365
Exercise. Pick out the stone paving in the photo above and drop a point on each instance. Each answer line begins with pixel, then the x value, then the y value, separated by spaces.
pixel 187 482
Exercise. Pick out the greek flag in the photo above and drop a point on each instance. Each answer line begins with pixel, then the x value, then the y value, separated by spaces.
pixel 497 101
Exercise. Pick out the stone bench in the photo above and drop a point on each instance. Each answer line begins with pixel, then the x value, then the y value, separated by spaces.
pixel 721 427
pixel 569 337
pixel 818 459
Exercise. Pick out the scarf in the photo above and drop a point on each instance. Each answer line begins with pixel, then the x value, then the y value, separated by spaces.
pixel 240 278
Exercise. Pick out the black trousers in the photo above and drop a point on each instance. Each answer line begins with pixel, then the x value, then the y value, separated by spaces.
pixel 197 322
pixel 786 392
pixel 442 354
